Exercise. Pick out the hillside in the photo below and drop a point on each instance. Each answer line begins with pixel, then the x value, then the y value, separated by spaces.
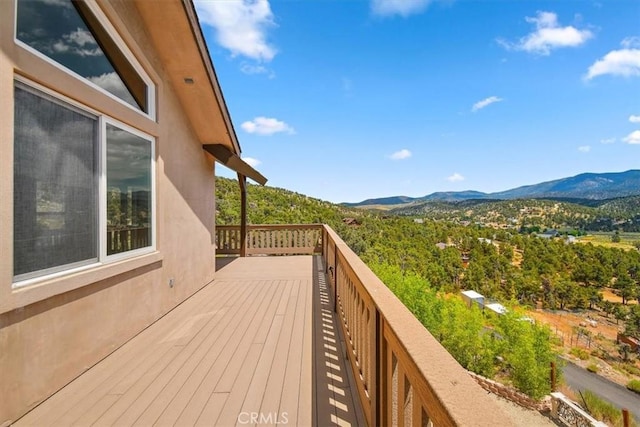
pixel 588 186
pixel 271 205
pixel 582 214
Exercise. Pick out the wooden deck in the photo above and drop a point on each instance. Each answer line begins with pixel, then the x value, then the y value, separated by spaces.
pixel 257 346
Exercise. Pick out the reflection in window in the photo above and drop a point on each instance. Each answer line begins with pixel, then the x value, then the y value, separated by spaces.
pixel 128 191
pixel 55 185
pixel 67 32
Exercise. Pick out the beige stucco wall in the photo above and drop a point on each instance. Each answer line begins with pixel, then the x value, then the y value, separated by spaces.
pixel 52 331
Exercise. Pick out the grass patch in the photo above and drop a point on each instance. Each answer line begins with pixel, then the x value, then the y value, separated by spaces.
pixel 634 385
pixel 627 240
pixel 628 368
pixel 603 410
pixel 579 353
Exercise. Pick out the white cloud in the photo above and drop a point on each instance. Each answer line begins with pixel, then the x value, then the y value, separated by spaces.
pixel 241 26
pixel 401 155
pixel 80 37
pixel 622 62
pixel 456 177
pixel 398 7
pixel 251 161
pixel 633 137
pixel 607 141
pixel 113 84
pixel 548 35
pixel 485 103
pixel 266 126
pixel 584 148
pixel 253 69
pixel 630 42
pixel 79 42
pixel 634 119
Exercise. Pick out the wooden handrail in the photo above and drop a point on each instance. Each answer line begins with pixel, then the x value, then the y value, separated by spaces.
pixel 403 375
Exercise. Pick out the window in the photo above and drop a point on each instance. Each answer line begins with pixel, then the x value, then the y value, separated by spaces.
pixel 71 34
pixel 62 154
pixel 128 191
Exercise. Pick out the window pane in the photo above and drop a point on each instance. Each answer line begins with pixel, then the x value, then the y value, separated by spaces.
pixel 55 185
pixel 128 191
pixel 59 30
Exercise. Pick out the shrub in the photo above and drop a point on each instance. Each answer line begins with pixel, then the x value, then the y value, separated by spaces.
pixel 601 409
pixel 632 369
pixel 634 385
pixel 592 367
pixel 579 353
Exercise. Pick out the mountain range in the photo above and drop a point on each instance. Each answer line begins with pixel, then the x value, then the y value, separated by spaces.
pixel 589 186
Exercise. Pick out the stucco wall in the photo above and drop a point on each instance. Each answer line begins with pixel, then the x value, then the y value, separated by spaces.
pixel 52 331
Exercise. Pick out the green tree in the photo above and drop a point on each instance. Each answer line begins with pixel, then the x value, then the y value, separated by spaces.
pixel 626 287
pixel 615 238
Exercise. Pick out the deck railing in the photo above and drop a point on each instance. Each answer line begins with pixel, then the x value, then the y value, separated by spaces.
pixel 270 239
pixel 403 376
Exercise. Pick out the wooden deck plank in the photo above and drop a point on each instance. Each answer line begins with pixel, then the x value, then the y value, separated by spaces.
pixel 200 403
pixel 235 364
pixel 247 392
pixel 243 343
pixel 153 357
pixel 273 394
pixel 126 359
pixel 195 387
pixel 139 401
pixel 163 398
pixel 306 394
pixel 211 411
pixel 290 396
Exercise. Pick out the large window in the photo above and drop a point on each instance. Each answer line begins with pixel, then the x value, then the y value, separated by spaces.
pixel 70 33
pixel 64 217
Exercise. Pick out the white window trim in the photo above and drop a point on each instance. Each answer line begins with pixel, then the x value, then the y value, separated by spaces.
pixel 113 33
pixel 102 206
pixel 103 258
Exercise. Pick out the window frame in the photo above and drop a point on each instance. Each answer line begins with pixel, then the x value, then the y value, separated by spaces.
pixel 102 258
pixel 103 190
pixel 121 45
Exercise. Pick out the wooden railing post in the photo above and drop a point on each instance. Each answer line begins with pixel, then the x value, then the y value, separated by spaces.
pixel 378 363
pixel 243 214
pixel 335 278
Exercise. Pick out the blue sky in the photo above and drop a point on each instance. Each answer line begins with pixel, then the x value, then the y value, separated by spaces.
pixel 352 99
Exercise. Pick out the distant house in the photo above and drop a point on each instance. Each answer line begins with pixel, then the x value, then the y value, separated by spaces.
pixel 633 342
pixel 441 245
pixel 496 307
pixel 352 222
pixel 549 234
pixel 485 240
pixel 418 220
pixel 472 297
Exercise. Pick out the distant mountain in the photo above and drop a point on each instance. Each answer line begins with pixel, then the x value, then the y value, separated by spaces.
pixel 594 186
pixel 589 186
pixel 395 200
pixel 454 196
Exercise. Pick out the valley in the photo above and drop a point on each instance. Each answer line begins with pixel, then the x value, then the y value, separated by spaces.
pixel 541 259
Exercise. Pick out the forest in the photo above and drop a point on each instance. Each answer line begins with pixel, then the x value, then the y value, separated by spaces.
pixel 425 260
